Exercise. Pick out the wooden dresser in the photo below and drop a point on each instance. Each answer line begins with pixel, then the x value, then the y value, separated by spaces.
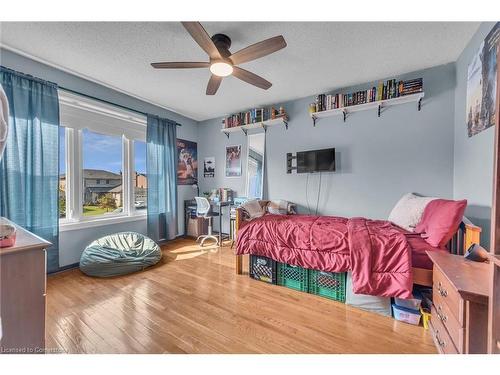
pixel 459 323
pixel 22 293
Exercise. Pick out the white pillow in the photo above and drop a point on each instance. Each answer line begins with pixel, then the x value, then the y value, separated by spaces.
pixel 409 210
pixel 253 209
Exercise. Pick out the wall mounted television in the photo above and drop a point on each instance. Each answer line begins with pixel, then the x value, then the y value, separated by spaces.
pixel 316 161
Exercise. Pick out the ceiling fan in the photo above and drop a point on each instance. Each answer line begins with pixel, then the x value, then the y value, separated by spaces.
pixel 222 62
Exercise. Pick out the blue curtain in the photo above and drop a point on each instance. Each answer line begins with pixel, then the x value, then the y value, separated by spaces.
pixel 29 170
pixel 161 165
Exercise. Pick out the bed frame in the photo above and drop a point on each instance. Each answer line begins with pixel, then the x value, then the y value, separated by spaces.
pixel 466 235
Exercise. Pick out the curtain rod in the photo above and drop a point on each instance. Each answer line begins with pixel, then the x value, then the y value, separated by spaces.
pixel 108 102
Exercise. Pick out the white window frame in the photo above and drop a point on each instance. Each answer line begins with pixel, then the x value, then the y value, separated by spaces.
pixel 132 176
pixel 125 124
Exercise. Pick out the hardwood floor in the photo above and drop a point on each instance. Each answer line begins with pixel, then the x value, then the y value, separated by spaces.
pixel 193 302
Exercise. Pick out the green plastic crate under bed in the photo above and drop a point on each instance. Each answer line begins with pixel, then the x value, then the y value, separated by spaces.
pixel 293 277
pixel 328 284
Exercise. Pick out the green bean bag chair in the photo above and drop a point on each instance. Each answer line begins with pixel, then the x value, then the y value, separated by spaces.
pixel 119 254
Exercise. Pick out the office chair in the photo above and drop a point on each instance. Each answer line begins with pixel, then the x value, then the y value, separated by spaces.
pixel 202 210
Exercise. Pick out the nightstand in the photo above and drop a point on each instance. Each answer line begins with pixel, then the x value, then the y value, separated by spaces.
pixel 459 323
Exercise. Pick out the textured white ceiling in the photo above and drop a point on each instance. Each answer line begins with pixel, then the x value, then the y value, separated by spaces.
pixel 320 56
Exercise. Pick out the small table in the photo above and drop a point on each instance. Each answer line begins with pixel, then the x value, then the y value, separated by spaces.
pixel 459 321
pixel 191 203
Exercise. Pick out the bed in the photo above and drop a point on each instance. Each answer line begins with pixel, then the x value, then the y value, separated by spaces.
pixel 421 270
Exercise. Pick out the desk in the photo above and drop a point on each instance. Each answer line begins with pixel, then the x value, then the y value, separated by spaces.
pixel 216 209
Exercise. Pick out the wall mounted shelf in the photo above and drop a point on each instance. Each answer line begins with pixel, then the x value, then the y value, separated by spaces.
pixel 256 125
pixel 378 105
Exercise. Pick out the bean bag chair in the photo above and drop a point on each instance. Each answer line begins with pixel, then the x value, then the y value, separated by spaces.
pixel 119 254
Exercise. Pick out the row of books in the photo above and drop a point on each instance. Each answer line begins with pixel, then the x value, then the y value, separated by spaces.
pixel 411 86
pixel 252 116
pixel 385 90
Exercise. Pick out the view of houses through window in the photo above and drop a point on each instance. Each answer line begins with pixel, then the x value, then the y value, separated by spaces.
pixel 102 174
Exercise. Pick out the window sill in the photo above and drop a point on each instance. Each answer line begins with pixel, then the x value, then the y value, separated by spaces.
pixel 75 225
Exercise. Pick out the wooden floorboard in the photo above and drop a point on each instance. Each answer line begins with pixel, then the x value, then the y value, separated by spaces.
pixel 193 302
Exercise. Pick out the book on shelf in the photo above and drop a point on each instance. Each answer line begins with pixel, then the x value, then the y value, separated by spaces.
pixel 389 89
pixel 252 116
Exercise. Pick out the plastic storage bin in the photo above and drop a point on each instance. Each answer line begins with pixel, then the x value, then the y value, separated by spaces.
pixel 328 284
pixel 262 268
pixel 406 315
pixel 293 277
pixel 411 303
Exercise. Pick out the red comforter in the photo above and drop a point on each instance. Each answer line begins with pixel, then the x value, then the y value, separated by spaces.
pixel 376 251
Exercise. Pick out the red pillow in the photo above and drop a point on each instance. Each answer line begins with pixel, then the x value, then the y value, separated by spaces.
pixel 440 221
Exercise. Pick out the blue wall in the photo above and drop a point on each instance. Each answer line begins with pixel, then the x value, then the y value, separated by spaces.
pixel 473 160
pixel 73 242
pixel 378 159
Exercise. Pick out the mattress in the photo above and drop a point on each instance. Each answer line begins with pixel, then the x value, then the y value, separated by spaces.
pixel 419 246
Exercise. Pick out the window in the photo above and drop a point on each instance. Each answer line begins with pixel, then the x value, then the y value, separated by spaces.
pixel 98 167
pixel 102 159
pixel 140 178
pixel 62 172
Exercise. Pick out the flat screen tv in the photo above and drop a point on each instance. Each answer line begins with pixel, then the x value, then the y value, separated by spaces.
pixel 316 161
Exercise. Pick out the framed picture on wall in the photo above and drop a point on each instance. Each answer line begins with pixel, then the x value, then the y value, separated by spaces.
pixel 187 162
pixel 233 161
pixel 482 75
pixel 209 167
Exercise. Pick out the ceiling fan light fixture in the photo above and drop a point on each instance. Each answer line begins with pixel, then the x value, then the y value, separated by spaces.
pixel 221 61
pixel 221 69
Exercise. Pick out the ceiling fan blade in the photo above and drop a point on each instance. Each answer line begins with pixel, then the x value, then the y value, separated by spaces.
pixel 213 84
pixel 258 50
pixel 180 65
pixel 251 78
pixel 202 38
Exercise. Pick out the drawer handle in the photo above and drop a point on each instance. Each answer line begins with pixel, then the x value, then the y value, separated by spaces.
pixel 440 342
pixel 440 315
pixel 441 290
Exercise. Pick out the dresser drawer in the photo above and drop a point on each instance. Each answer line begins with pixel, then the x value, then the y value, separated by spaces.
pixel 443 313
pixel 444 292
pixel 440 335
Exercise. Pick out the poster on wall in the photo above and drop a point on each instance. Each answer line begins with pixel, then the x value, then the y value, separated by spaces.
pixel 209 167
pixel 233 161
pixel 482 76
pixel 187 162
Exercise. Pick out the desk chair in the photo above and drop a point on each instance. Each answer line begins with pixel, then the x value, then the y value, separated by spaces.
pixel 203 210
